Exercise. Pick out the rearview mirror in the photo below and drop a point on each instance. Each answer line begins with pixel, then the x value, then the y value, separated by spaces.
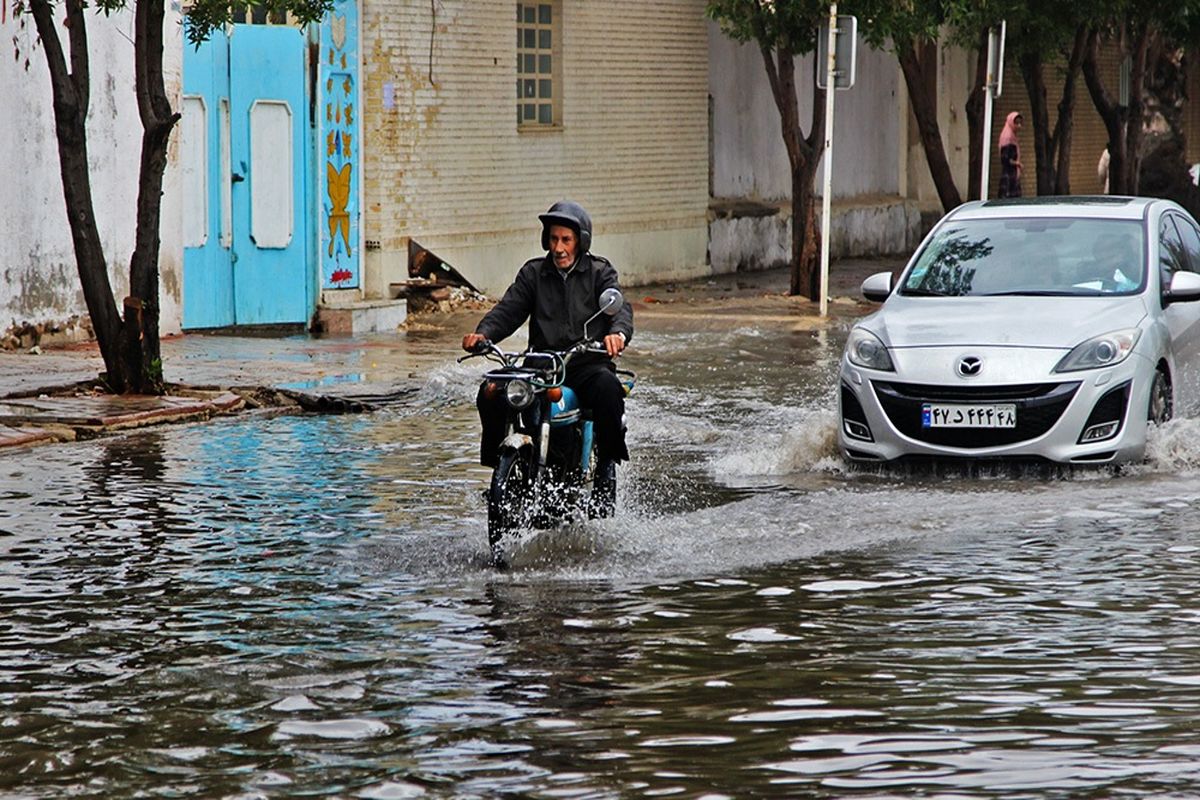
pixel 611 301
pixel 877 287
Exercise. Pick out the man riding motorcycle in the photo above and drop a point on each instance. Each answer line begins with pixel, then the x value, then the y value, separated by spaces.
pixel 557 293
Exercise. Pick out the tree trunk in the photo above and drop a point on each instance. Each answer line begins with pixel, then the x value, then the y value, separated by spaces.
pixel 1064 128
pixel 1123 123
pixel 1110 113
pixel 975 132
pixel 1135 127
pixel 931 136
pixel 1035 86
pixel 806 239
pixel 1052 143
pixel 803 154
pixel 141 346
pixel 70 89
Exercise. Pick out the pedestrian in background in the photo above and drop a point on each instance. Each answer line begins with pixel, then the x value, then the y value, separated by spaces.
pixel 1102 170
pixel 1010 156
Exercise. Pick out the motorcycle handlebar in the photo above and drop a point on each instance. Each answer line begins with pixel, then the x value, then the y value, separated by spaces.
pixel 483 347
pixel 488 348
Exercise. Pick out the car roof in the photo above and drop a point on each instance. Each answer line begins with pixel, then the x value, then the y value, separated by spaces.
pixel 1097 207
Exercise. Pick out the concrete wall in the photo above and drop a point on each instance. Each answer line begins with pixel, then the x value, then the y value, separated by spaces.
pixel 749 159
pixel 954 76
pixel 39 284
pixel 750 213
pixel 446 165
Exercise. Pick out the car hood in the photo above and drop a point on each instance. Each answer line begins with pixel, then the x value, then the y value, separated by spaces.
pixel 1002 321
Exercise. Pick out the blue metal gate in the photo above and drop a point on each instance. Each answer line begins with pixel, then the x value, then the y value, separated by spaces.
pixel 246 180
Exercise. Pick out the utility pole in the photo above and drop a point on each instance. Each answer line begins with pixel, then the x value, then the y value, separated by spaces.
pixel 837 72
pixel 991 88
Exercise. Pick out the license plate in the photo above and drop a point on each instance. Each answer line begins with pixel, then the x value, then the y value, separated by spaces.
pixel 991 415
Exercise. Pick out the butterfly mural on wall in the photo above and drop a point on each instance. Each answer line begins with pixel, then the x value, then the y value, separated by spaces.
pixel 339 198
pixel 339 75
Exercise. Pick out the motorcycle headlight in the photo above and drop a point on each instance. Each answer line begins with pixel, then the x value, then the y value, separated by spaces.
pixel 1100 351
pixel 519 394
pixel 864 349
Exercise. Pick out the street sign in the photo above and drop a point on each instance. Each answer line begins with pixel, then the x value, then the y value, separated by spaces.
pixel 844 52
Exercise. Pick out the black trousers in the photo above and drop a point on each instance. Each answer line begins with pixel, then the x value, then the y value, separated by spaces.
pixel 597 387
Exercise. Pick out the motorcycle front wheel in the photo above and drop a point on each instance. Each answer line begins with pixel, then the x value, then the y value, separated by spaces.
pixel 510 500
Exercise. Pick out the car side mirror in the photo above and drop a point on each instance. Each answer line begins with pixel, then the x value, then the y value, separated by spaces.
pixel 1185 288
pixel 878 287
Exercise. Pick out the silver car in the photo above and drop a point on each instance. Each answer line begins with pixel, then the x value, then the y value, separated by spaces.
pixel 1050 328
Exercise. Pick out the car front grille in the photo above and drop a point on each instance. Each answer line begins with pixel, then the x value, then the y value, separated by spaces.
pixel 1038 406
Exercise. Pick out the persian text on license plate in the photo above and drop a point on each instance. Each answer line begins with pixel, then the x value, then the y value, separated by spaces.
pixel 991 415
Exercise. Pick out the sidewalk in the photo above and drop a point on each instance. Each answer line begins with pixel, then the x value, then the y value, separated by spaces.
pixel 41 400
pixel 44 398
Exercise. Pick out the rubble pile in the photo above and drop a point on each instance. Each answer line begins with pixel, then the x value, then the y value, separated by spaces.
pixel 444 299
pixel 27 335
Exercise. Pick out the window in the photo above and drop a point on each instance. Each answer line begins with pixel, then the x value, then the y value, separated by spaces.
pixel 538 56
pixel 1191 242
pixel 195 171
pixel 271 189
pixel 1171 256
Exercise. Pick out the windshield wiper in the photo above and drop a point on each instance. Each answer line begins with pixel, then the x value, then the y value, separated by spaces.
pixel 915 292
pixel 1043 293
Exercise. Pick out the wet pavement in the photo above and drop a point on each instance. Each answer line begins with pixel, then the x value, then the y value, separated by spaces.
pixel 213 375
pixel 301 605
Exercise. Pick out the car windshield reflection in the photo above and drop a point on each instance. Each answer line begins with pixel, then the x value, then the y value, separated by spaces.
pixel 1059 257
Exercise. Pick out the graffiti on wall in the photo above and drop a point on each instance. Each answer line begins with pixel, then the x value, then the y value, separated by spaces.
pixel 339 125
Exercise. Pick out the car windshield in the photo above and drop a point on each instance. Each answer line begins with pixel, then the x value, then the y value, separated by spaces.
pixel 1031 256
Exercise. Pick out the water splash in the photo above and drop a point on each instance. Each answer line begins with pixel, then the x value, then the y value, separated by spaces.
pixel 808 443
pixel 1174 447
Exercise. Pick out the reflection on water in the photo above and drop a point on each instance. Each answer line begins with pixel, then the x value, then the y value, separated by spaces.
pixel 301 605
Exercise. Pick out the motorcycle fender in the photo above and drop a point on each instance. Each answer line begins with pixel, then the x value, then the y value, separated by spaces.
pixel 516 441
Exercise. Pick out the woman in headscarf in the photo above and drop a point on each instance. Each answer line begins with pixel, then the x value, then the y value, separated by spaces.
pixel 1010 156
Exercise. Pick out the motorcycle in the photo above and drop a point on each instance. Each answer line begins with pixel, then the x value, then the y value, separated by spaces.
pixel 546 462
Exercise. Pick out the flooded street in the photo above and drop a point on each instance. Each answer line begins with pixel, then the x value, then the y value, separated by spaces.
pixel 269 606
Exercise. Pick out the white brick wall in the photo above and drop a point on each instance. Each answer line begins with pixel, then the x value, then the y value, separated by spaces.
pixel 447 166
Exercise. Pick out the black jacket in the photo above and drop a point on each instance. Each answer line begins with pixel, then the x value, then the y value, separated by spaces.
pixel 557 307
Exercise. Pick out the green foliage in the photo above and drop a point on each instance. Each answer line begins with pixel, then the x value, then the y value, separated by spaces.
pixel 205 16
pixel 788 25
pixel 888 23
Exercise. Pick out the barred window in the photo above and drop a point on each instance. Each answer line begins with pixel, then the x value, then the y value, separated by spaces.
pixel 538 56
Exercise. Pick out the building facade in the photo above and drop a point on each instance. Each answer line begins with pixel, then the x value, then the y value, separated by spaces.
pixel 311 163
pixel 479 114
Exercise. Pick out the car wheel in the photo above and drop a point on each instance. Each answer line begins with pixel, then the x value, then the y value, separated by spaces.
pixel 1160 399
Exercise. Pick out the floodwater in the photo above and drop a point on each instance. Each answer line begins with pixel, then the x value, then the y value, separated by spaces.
pixel 301 606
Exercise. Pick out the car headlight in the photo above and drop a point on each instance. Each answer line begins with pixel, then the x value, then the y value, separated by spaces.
pixel 864 349
pixel 519 394
pixel 1101 351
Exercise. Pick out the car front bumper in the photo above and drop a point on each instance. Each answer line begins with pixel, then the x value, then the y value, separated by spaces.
pixel 880 415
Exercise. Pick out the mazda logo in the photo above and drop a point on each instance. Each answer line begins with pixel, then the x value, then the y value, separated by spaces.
pixel 970 366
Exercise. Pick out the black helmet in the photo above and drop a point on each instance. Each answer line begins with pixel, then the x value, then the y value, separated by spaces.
pixel 572 215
